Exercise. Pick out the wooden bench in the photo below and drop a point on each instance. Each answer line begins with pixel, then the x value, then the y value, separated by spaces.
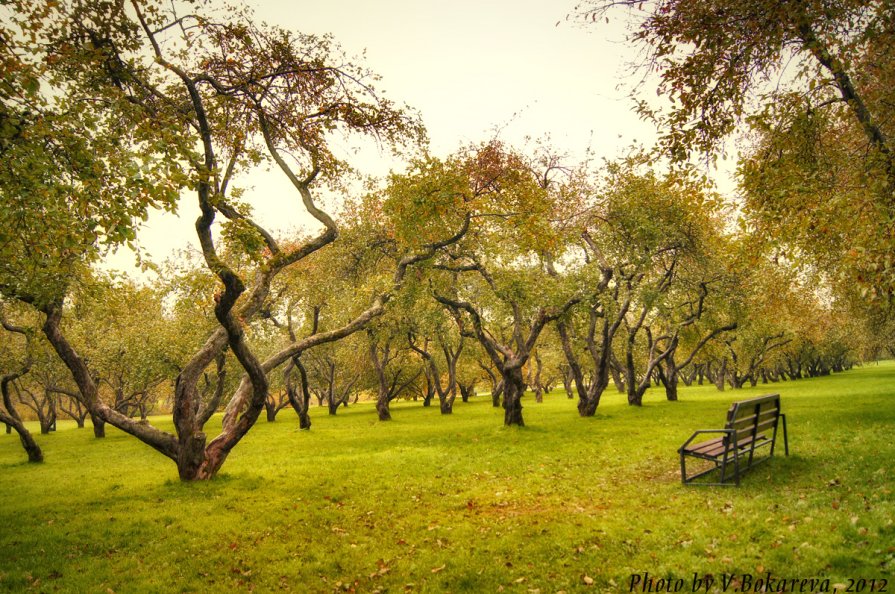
pixel 751 425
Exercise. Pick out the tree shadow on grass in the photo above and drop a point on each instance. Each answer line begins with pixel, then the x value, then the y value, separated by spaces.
pixel 23 463
pixel 248 482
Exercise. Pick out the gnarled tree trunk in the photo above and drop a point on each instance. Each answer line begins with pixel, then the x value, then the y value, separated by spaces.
pixel 514 388
pixel 467 390
pixel 11 416
pixel 31 448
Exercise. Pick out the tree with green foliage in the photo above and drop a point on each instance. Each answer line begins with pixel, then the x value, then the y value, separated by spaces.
pixel 334 371
pixel 693 314
pixel 394 370
pixel 495 283
pixel 451 348
pixel 469 372
pixel 364 268
pixel 126 334
pixel 41 401
pixel 75 175
pixel 204 97
pixel 646 242
pixel 813 81
pixel 16 362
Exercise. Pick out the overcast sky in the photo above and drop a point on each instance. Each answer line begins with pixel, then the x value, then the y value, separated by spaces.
pixel 469 67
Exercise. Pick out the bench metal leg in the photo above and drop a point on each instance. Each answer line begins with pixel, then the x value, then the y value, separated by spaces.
pixel 773 442
pixel 785 436
pixel 683 469
pixel 736 464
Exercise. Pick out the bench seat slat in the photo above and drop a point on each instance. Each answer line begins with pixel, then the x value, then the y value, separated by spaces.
pixel 714 448
pixel 711 448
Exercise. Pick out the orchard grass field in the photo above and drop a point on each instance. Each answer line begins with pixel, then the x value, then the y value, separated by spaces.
pixel 432 503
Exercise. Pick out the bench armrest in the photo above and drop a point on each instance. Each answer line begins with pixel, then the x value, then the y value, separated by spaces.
pixel 701 432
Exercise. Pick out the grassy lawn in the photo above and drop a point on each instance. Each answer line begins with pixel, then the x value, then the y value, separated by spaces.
pixel 458 503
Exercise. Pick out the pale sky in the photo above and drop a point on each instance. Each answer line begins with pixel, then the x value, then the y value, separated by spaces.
pixel 469 67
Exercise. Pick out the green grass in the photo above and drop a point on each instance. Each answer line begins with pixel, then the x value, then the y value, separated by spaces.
pixel 427 503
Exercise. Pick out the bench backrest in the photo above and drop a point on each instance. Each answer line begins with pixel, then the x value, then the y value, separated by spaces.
pixel 754 417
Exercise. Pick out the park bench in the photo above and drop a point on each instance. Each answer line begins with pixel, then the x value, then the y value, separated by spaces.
pixel 751 427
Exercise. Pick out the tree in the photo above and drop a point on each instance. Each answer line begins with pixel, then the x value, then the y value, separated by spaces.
pixel 469 370
pixel 675 289
pixel 495 378
pixel 777 314
pixel 73 182
pixel 542 376
pixel 42 403
pixel 300 395
pixel 241 94
pixel 275 403
pixel 696 311
pixel 125 333
pixel 70 404
pixel 672 368
pixel 605 314
pixel 646 242
pixel 332 371
pixel 451 348
pixel 364 267
pixel 394 372
pixel 74 176
pixel 12 371
pixel 813 80
pixel 500 292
